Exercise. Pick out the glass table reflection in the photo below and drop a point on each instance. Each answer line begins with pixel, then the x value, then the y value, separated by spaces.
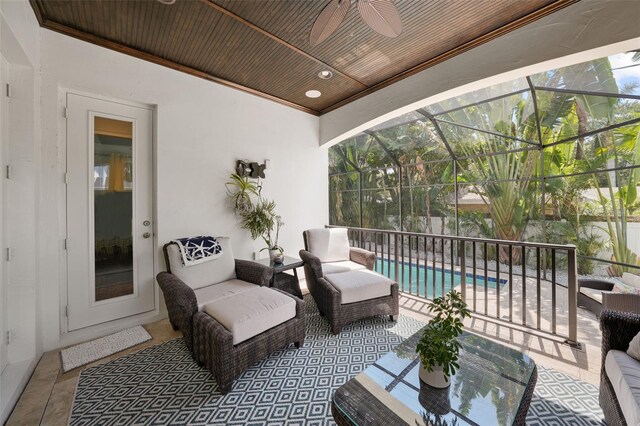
pixel 493 386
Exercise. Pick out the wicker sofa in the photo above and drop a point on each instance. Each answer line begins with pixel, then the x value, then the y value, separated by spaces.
pixel 341 279
pixel 619 378
pixel 228 315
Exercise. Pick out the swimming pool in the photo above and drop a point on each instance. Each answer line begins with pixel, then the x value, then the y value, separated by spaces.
pixel 437 281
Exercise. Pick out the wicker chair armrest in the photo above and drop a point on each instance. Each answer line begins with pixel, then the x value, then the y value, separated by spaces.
pixel 623 302
pixel 363 257
pixel 253 272
pixel 595 284
pixel 618 329
pixel 181 304
pixel 177 293
pixel 312 262
pixel 327 288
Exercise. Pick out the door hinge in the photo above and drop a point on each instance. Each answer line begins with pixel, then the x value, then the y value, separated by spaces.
pixel 66 178
pixel 65 243
pixel 66 311
pixel 8 90
pixel 9 254
pixel 65 112
pixel 8 172
pixel 8 337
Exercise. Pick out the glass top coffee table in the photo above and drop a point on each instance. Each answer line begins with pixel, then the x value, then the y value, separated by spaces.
pixel 493 386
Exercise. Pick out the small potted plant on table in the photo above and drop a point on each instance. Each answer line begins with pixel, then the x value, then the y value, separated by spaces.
pixel 439 346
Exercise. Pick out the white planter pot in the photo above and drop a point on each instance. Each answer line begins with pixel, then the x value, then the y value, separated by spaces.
pixel 434 378
pixel 276 256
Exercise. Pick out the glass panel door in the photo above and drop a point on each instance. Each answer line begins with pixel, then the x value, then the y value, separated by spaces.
pixel 113 208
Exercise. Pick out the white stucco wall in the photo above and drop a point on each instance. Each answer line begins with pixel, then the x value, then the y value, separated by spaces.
pixel 583 31
pixel 19 45
pixel 201 129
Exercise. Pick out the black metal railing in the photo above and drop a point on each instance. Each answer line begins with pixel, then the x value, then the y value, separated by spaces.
pixel 499 279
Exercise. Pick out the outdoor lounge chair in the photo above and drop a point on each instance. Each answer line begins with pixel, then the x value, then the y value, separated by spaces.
pixel 228 315
pixel 341 279
pixel 597 295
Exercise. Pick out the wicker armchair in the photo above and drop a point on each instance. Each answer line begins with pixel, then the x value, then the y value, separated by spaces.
pixel 618 329
pixel 330 299
pixel 211 343
pixel 181 300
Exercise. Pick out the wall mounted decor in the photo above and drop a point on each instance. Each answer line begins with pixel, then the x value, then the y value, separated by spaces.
pixel 250 169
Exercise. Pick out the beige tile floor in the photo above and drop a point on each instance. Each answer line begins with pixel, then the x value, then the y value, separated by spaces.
pixel 48 398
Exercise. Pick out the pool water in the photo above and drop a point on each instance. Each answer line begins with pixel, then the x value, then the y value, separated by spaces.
pixel 437 281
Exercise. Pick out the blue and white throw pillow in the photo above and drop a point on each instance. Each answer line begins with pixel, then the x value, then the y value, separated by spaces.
pixel 195 250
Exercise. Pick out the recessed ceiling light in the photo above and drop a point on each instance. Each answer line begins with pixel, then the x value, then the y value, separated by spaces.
pixel 167 1
pixel 313 93
pixel 325 74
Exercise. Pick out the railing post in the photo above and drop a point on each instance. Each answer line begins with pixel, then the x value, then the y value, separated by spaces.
pixel 572 287
pixel 463 270
pixel 395 257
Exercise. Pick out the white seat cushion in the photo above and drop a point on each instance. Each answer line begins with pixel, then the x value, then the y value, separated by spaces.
pixel 344 266
pixel 206 273
pixel 356 286
pixel 592 293
pixel 624 374
pixel 218 291
pixel 632 280
pixel 329 245
pixel 252 312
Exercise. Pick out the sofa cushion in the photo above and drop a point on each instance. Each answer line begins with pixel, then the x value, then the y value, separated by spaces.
pixel 592 293
pixel 631 280
pixel 252 312
pixel 206 273
pixel 356 286
pixel 329 245
pixel 624 374
pixel 344 266
pixel 221 290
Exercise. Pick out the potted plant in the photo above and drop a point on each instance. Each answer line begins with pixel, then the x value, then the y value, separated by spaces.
pixel 438 346
pixel 257 215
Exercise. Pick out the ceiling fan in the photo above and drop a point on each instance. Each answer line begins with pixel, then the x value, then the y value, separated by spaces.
pixel 381 15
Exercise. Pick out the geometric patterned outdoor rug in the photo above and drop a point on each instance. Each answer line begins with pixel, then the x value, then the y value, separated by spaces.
pixel 163 385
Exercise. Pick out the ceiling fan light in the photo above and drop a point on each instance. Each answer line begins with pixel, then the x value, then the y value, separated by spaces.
pixel 329 20
pixel 382 16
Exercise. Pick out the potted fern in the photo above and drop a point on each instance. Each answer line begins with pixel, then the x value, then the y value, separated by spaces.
pixel 257 215
pixel 438 346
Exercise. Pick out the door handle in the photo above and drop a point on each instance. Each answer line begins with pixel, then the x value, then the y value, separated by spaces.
pixel 146 235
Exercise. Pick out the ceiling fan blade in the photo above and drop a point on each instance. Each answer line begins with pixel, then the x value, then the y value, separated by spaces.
pixel 329 20
pixel 382 16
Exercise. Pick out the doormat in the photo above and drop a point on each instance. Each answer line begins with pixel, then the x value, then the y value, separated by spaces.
pixel 84 353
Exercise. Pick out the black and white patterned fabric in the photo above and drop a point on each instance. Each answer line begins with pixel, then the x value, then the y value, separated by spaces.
pixel 195 250
pixel 163 385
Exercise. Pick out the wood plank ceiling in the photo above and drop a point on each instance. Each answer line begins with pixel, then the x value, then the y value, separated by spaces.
pixel 263 46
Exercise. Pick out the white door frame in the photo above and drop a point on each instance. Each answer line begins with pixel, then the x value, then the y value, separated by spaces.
pixel 72 337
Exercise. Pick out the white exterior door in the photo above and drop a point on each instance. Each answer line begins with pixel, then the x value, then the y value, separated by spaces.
pixel 110 240
pixel 4 132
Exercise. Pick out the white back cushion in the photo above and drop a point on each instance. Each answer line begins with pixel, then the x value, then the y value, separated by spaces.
pixel 329 245
pixel 206 273
pixel 632 280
